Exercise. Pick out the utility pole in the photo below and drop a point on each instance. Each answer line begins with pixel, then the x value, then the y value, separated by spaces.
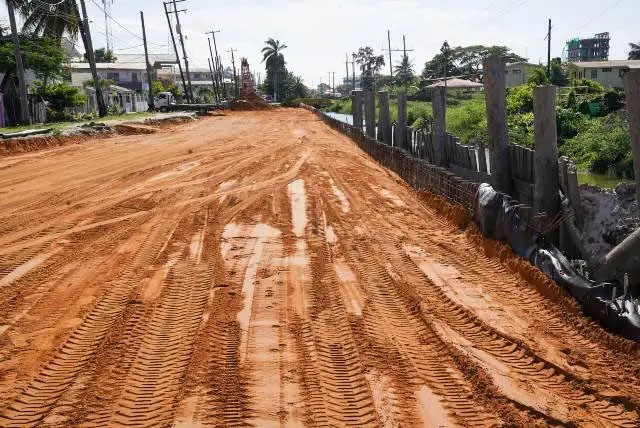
pixel 404 47
pixel 146 59
pixel 404 51
pixel 235 77
pixel 329 81
pixel 214 64
pixel 219 63
pixel 214 77
pixel 175 49
pixel 353 70
pixel 213 81
pixel 25 117
pixel 102 108
pixel 389 46
pixel 184 51
pixel 549 50
pixel 346 66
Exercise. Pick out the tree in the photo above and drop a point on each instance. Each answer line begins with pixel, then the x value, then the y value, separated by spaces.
pixel 293 87
pixel 634 51
pixel 370 64
pixel 42 55
pixel 274 63
pixel 404 72
pixel 538 77
pixel 157 87
pixel 559 76
pixel 51 19
pixel 323 88
pixel 102 55
pixel 442 64
pixel 464 61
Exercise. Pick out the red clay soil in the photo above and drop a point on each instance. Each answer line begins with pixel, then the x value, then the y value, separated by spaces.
pixel 259 269
pixel 15 146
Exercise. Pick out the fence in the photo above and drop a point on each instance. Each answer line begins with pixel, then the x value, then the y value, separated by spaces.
pixel 417 172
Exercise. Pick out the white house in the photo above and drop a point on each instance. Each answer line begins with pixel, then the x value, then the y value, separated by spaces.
pixel 607 73
pixel 518 73
pixel 130 75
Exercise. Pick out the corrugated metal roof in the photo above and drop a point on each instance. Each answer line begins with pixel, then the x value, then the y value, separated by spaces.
pixel 110 66
pixel 631 63
pixel 457 83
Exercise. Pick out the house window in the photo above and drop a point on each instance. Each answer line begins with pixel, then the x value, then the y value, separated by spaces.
pixel 594 74
pixel 517 71
pixel 506 72
pixel 115 76
pixel 134 77
pixel 606 70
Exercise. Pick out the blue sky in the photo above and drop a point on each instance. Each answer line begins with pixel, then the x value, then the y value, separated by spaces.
pixel 319 33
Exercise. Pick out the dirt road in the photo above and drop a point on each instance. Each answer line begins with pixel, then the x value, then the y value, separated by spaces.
pixel 258 269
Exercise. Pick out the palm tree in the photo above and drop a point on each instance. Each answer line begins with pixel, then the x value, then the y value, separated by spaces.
pixel 274 61
pixel 634 53
pixel 49 18
pixel 404 71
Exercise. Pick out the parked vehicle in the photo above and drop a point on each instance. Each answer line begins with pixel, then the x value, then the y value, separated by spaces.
pixel 165 101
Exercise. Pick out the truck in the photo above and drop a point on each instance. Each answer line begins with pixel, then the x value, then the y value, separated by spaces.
pixel 165 102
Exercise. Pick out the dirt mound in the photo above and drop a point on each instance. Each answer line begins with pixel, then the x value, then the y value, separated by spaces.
pixel 24 145
pixel 134 128
pixel 252 102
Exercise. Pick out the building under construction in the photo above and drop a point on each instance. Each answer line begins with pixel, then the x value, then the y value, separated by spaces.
pixel 594 48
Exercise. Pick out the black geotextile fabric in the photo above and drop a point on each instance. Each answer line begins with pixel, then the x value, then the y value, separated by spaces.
pixel 497 216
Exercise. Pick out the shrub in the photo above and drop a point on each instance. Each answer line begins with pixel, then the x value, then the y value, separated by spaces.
pixel 568 123
pixel 520 128
pixel 418 111
pixel 586 86
pixel 602 146
pixel 468 120
pixel 115 109
pixel 520 99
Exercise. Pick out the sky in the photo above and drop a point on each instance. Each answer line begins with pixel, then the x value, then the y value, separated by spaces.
pixel 319 33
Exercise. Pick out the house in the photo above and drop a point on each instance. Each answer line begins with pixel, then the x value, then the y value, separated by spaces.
pixel 608 73
pixel 518 73
pixel 130 75
pixel 201 80
pixel 129 89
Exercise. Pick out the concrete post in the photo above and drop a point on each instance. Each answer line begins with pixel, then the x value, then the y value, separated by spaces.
pixel 624 258
pixel 546 154
pixel 356 108
pixel 370 113
pixel 574 194
pixel 482 157
pixel 632 91
pixel 384 122
pixel 401 127
pixel 495 98
pixel 439 104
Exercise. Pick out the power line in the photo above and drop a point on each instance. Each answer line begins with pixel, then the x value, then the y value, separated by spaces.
pixel 111 17
pixel 600 14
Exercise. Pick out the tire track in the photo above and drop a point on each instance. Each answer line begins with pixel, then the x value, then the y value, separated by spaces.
pixel 33 404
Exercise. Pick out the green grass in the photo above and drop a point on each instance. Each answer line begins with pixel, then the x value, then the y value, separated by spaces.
pixel 59 126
